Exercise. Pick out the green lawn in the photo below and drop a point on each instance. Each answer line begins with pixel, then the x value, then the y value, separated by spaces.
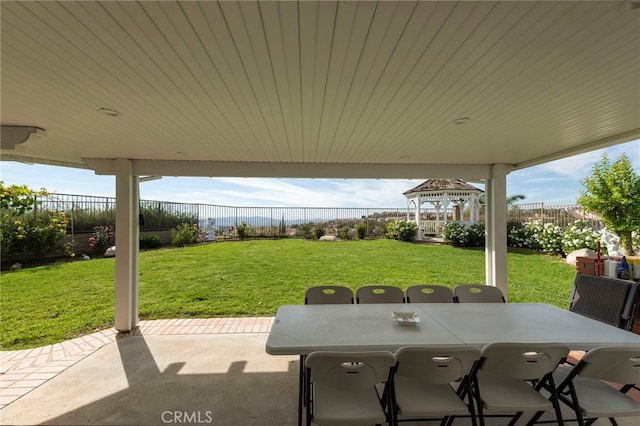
pixel 48 304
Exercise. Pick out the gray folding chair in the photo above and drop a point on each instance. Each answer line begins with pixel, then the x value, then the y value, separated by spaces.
pixel 379 294
pixel 328 294
pixel 478 293
pixel 502 382
pixel 341 387
pixel 583 388
pixel 429 294
pixel 422 383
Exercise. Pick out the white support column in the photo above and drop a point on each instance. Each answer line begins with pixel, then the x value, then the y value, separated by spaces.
pixel 127 241
pixel 418 221
pixel 496 227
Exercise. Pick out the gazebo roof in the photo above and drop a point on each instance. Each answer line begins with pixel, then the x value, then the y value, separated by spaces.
pixel 435 185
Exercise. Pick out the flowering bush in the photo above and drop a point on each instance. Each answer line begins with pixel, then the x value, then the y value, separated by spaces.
pixel 456 233
pixel 579 235
pixel 102 238
pixel 460 235
pixel 403 230
pixel 521 236
pixel 35 235
pixel 547 236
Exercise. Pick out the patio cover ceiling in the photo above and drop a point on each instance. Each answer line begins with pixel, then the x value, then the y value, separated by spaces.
pixel 318 89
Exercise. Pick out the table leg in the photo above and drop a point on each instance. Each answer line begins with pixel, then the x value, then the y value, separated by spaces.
pixel 301 389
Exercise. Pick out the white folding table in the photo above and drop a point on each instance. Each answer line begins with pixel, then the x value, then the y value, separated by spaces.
pixel 302 329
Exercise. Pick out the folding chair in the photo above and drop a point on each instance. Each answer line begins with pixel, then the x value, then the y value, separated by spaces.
pixel 582 387
pixel 341 387
pixel 422 382
pixel 379 294
pixel 478 293
pixel 328 294
pixel 503 380
pixel 429 294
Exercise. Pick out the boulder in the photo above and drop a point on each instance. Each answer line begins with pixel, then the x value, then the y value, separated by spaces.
pixel 584 252
pixel 110 252
pixel 328 238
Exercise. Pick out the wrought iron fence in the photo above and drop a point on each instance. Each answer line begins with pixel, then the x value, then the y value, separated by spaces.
pixel 85 212
pixel 562 215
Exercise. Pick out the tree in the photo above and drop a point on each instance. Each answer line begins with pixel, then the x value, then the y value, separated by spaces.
pixel 613 191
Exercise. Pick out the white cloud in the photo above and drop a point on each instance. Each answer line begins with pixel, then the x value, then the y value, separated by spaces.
pixel 557 182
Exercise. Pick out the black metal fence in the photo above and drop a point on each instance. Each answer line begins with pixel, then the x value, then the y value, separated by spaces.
pixel 85 212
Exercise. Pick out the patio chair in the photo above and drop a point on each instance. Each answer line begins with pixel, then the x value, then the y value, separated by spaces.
pixel 328 294
pixel 478 293
pixel 379 294
pixel 502 383
pixel 341 387
pixel 582 387
pixel 429 294
pixel 604 299
pixel 422 382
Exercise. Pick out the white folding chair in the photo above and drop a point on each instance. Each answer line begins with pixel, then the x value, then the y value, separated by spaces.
pixel 510 375
pixel 422 382
pixel 582 387
pixel 342 387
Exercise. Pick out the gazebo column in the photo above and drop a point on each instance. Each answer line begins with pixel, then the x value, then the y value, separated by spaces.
pixel 496 225
pixel 418 221
pixel 127 241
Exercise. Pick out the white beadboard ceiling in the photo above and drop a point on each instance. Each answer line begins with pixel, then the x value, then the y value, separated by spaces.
pixel 318 88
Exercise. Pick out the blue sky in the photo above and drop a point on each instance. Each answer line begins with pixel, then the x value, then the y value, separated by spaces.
pixel 554 183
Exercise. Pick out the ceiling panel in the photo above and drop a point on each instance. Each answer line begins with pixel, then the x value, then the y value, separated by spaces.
pixel 332 89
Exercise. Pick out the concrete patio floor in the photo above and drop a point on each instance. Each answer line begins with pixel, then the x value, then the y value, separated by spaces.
pixel 209 371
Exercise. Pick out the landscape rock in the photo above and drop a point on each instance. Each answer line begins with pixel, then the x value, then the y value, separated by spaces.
pixel 328 238
pixel 584 252
pixel 16 266
pixel 110 252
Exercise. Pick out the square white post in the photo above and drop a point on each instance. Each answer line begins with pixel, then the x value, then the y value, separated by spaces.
pixel 127 244
pixel 496 228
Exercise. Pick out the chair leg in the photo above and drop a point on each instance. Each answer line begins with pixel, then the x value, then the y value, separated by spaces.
pixel 476 396
pixel 515 418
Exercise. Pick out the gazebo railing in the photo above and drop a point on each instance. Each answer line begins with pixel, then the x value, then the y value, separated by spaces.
pixel 433 228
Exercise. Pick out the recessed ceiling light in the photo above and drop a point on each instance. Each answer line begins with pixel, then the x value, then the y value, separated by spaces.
pixel 109 112
pixel 461 120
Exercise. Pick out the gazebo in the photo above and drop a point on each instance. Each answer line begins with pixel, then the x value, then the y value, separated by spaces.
pixel 449 198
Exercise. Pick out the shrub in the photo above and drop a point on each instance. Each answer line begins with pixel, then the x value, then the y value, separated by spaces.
pixel 184 234
pixel 550 238
pixel 403 230
pixel 344 233
pixel 319 231
pixel 455 233
pixel 102 238
pixel 243 230
pixel 460 235
pixel 361 230
pixel 305 230
pixel 579 235
pixel 148 242
pixel 477 235
pixel 26 232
